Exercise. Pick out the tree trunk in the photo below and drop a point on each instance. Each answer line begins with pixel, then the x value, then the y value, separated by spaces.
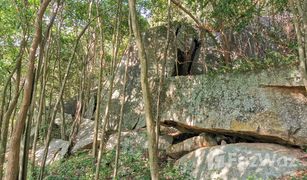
pixel 161 80
pixel 300 23
pixel 24 154
pixel 106 118
pixel 121 118
pixel 4 131
pixel 5 120
pixel 48 138
pixel 13 157
pixel 98 102
pixel 43 61
pixel 58 52
pixel 152 147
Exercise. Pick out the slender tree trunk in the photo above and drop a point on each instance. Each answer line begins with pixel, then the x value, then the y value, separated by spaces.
pixel 12 106
pixel 165 56
pixel 121 118
pixel 203 42
pixel 75 126
pixel 63 123
pixel 59 35
pixel 152 147
pixel 26 136
pixel 300 23
pixel 80 107
pixel 40 112
pixel 42 59
pixel 225 44
pixel 7 84
pixel 106 118
pixel 48 137
pixel 13 157
pixel 17 69
pixel 98 102
pixel 5 126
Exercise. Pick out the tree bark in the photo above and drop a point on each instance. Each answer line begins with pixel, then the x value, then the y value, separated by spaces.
pixel 12 106
pixel 152 147
pixel 98 102
pixel 13 157
pixel 43 59
pixel 300 23
pixel 161 80
pixel 48 138
pixel 4 131
pixel 106 118
pixel 119 130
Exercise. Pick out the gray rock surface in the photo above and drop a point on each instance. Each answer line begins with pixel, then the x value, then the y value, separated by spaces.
pixel 269 102
pixel 56 151
pixel 84 139
pixel 155 41
pixel 242 161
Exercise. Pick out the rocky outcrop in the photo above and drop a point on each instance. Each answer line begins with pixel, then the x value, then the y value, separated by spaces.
pixel 242 161
pixel 269 103
pixel 155 41
pixel 56 151
pixel 266 104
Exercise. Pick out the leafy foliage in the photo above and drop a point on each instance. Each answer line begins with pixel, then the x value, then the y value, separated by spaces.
pixel 132 165
pixel 273 59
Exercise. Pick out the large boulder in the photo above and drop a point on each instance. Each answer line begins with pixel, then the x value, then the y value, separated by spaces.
pixel 266 104
pixel 155 43
pixel 85 136
pixel 56 151
pixel 242 161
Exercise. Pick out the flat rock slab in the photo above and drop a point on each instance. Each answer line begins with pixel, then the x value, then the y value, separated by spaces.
pixel 269 103
pixel 243 161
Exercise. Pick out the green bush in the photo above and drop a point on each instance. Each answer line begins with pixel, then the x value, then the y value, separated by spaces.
pixel 132 165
